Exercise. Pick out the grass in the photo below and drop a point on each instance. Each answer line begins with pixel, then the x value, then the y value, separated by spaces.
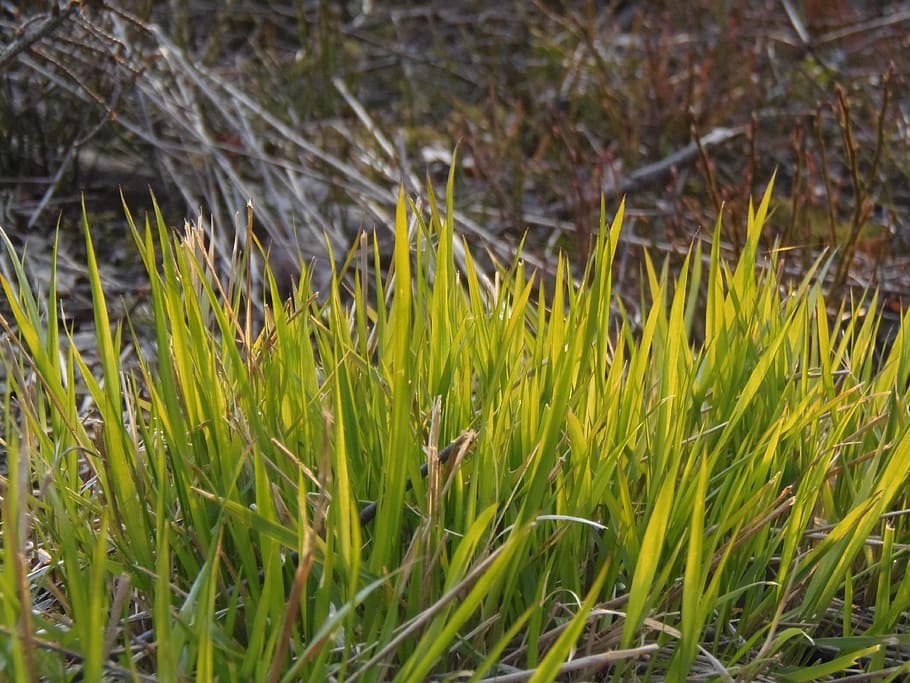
pixel 717 490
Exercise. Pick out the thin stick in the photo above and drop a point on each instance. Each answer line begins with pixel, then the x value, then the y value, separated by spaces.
pixel 459 445
pixel 32 36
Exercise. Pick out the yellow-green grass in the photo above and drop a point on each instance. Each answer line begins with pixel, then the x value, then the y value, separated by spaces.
pixel 618 498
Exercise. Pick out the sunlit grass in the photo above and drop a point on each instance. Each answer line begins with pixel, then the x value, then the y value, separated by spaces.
pixel 558 488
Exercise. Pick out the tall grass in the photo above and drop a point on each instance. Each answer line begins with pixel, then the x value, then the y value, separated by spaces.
pixel 716 491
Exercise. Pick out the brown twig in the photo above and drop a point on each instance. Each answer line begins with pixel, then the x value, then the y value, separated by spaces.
pixel 826 179
pixel 44 28
pixel 880 128
pixel 862 189
pixel 711 181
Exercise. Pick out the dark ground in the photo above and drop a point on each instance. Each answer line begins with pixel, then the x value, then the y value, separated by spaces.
pixel 318 110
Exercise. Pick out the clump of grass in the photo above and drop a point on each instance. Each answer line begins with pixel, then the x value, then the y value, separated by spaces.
pixel 558 491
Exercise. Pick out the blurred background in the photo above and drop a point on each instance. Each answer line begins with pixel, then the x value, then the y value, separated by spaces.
pixel 317 111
